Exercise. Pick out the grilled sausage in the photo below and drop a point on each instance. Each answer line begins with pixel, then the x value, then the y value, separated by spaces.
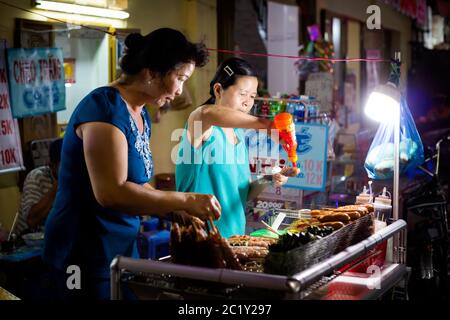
pixel 336 225
pixel 340 216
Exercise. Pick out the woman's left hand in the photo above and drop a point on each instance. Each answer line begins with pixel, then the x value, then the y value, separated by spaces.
pixel 185 219
pixel 281 178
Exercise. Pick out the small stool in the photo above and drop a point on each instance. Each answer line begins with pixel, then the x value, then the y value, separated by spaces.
pixel 153 224
pixel 150 224
pixel 155 244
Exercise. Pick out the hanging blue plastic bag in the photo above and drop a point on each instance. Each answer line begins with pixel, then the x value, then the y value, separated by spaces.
pixel 379 162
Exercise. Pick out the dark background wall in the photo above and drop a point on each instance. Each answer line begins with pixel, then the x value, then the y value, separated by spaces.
pixel 429 83
pixel 246 35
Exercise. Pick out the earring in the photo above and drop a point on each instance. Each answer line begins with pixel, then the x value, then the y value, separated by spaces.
pixel 149 82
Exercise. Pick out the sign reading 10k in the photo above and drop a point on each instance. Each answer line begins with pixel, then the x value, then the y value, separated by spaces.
pixel 36 79
pixel 312 139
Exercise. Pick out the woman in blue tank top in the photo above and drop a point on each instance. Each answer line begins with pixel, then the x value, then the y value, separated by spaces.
pixel 212 155
pixel 106 165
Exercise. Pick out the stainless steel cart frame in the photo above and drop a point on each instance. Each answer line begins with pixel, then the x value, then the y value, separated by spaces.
pixel 294 287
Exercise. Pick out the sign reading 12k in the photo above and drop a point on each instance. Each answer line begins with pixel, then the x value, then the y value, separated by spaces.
pixel 312 140
pixel 36 79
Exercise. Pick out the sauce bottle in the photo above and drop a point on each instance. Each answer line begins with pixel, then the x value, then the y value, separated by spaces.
pixel 285 124
pixel 364 197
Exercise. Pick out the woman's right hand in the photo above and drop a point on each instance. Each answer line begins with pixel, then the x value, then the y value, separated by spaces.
pixel 203 206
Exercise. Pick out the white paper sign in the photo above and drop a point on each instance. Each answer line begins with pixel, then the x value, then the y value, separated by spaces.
pixel 320 85
pixel 10 148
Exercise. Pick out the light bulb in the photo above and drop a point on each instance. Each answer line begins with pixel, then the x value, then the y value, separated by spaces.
pixel 79 9
pixel 383 103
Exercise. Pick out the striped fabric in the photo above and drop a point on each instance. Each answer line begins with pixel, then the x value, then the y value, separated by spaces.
pixel 37 183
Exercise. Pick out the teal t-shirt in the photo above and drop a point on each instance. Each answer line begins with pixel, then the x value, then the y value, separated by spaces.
pixel 220 168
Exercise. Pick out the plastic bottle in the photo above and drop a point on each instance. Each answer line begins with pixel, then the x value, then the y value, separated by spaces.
pixel 264 109
pixel 312 110
pixel 299 112
pixel 283 105
pixel 383 206
pixel 383 211
pixel 364 197
pixel 285 124
pixel 297 109
pixel 383 198
pixel 275 107
pixel 290 108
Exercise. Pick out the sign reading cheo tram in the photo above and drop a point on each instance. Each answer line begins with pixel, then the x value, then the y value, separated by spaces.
pixel 36 80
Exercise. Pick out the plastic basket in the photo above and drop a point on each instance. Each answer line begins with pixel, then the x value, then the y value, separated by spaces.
pixel 301 258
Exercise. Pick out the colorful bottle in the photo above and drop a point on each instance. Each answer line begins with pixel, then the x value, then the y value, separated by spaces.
pixel 297 109
pixel 290 108
pixel 274 108
pixel 283 106
pixel 283 103
pixel 313 111
pixel 264 110
pixel 299 113
pixel 285 124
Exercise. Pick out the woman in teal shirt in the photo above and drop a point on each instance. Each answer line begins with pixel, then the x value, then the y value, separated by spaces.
pixel 213 157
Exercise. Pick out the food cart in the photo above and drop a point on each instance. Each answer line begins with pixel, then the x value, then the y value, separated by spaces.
pixel 343 264
pixel 165 280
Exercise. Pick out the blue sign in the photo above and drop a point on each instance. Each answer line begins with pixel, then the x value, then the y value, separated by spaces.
pixel 312 146
pixel 312 140
pixel 36 81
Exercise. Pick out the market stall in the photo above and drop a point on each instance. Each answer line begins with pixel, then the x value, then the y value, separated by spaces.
pixel 165 280
pixel 295 251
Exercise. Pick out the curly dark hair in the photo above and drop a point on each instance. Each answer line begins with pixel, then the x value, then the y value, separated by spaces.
pixel 160 51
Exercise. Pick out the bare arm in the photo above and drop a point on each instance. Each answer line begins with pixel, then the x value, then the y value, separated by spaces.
pixel 181 217
pixel 213 115
pixel 277 180
pixel 39 211
pixel 105 150
pixel 203 118
pixel 148 186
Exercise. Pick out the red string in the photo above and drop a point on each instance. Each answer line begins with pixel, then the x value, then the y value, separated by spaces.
pixel 299 57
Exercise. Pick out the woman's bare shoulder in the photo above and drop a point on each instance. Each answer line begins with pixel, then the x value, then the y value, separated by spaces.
pixel 196 114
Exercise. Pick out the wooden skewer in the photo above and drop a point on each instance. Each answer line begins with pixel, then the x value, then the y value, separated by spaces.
pixel 199 233
pixel 270 228
pixel 13 225
pixel 195 227
pixel 213 226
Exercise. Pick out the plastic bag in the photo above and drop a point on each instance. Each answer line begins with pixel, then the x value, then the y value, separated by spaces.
pixel 333 128
pixel 379 162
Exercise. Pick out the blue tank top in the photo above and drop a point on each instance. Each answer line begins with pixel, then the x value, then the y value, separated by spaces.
pixel 78 229
pixel 220 168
